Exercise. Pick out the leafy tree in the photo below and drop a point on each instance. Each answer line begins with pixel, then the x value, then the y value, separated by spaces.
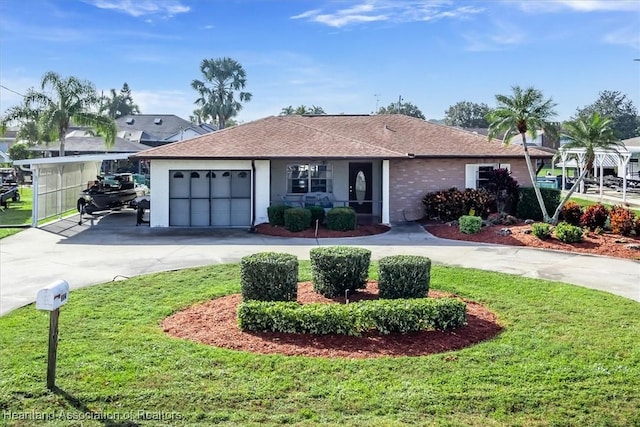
pixel 625 121
pixel 19 151
pixel 594 133
pixel 61 102
pixel 406 108
pixel 302 109
pixel 119 104
pixel 222 78
pixel 525 111
pixel 467 115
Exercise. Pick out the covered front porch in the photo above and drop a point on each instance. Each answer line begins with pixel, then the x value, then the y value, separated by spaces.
pixel 362 184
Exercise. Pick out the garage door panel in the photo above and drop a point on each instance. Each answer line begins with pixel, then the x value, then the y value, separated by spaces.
pixel 200 212
pixel 199 184
pixel 221 213
pixel 179 212
pixel 240 212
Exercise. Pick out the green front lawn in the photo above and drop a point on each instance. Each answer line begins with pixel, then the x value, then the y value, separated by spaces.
pixel 567 356
pixel 17 213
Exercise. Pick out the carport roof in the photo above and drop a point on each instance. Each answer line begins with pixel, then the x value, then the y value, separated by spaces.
pixel 339 136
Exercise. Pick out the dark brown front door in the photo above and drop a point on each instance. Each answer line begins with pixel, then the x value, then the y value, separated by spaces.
pixel 360 187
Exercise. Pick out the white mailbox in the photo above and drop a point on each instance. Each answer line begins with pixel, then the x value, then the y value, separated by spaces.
pixel 53 296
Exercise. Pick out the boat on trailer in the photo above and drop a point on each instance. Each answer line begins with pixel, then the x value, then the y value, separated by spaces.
pixel 109 192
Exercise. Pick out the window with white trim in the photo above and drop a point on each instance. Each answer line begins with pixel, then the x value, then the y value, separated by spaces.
pixel 309 178
pixel 477 175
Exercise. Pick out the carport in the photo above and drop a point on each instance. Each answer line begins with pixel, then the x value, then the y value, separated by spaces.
pixel 58 181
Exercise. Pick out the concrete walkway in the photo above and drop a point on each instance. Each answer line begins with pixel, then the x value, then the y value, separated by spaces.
pixel 112 248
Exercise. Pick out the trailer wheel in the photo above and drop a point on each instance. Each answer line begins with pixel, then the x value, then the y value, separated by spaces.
pixel 81 205
pixel 16 197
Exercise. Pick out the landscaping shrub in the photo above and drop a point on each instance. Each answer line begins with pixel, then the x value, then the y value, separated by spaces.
pixel 451 204
pixel 276 214
pixel 317 214
pixel 595 217
pixel 269 276
pixel 541 230
pixel 341 219
pixel 335 269
pixel 622 220
pixel 571 213
pixel 470 224
pixel 636 227
pixel 384 316
pixel 528 207
pixel 568 233
pixel 505 190
pixel 297 219
pixel 404 276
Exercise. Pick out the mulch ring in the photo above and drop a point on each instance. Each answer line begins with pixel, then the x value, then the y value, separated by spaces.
pixel 214 323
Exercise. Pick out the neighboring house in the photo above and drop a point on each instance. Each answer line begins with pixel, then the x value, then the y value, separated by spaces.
pixel 159 129
pixel 381 165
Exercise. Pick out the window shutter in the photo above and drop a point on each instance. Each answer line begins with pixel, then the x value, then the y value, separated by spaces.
pixel 470 172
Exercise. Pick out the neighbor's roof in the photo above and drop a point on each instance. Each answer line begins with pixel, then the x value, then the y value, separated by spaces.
pixel 340 136
pixel 154 127
pixel 92 144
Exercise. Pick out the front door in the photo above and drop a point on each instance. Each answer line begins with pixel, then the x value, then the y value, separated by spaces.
pixel 360 187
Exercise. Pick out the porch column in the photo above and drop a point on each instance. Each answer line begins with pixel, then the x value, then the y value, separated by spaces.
pixel 385 191
pixel 35 185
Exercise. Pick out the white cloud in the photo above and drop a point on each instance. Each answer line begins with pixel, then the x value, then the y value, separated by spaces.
pixel 628 36
pixel 502 37
pixel 387 10
pixel 165 102
pixel 137 8
pixel 542 6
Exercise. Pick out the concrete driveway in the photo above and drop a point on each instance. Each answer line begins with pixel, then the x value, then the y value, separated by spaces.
pixel 112 247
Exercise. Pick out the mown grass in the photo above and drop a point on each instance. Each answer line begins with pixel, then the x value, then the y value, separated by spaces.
pixel 567 356
pixel 18 213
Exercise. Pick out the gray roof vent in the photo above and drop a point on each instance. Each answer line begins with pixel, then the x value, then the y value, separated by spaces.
pixel 130 120
pixel 157 121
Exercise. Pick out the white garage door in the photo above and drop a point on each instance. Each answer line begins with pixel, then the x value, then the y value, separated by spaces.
pixel 210 198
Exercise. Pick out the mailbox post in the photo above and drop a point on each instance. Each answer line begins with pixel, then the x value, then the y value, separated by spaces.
pixel 50 299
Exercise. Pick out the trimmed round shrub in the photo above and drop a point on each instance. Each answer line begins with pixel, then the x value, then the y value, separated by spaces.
pixel 568 233
pixel 470 224
pixel 335 269
pixel 571 213
pixel 297 219
pixel 541 230
pixel 269 276
pixel 317 214
pixel 404 276
pixel 341 219
pixel 276 214
pixel 594 217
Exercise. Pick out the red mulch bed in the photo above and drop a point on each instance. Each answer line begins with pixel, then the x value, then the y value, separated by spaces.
pixel 323 232
pixel 214 323
pixel 596 244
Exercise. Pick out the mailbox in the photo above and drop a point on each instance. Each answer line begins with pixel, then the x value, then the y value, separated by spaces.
pixel 53 296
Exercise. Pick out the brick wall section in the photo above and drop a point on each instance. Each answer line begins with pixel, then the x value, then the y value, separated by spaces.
pixel 411 179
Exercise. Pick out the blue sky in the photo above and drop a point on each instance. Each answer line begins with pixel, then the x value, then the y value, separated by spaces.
pixel 347 56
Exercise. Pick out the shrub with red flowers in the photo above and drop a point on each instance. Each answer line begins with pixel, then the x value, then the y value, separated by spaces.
pixel 622 220
pixel 571 213
pixel 451 204
pixel 595 217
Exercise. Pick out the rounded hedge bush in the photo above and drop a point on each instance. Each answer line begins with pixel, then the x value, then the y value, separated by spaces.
pixel 404 276
pixel 269 276
pixel 297 219
pixel 568 233
pixel 335 269
pixel 341 219
pixel 317 214
pixel 275 214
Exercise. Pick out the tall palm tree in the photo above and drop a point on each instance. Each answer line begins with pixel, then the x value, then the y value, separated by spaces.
pixel 222 78
pixel 525 111
pixel 61 102
pixel 590 134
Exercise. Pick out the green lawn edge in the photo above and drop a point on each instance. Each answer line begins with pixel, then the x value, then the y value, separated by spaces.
pixel 567 356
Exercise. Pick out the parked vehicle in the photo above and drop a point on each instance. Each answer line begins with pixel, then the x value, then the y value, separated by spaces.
pixel 8 187
pixel 110 192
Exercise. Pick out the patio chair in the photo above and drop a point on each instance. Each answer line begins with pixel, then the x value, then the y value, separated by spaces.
pixel 294 201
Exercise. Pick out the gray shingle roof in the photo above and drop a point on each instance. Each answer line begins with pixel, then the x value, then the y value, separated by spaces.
pixel 343 136
pixel 155 127
pixel 92 144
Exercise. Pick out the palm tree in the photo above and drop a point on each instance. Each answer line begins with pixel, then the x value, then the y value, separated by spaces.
pixel 591 134
pixel 119 105
pixel 63 101
pixel 524 112
pixel 222 77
